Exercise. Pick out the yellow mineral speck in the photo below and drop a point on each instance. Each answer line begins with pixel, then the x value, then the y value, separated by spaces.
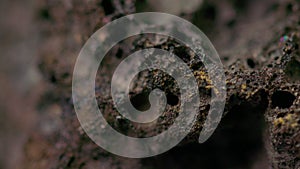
pixel 203 76
pixel 209 81
pixel 289 117
pixel 209 86
pixel 294 125
pixel 244 86
pixel 279 121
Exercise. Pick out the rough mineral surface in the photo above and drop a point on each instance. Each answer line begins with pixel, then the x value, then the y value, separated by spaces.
pixel 258 42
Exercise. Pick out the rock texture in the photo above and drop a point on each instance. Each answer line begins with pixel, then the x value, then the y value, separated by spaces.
pixel 258 42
